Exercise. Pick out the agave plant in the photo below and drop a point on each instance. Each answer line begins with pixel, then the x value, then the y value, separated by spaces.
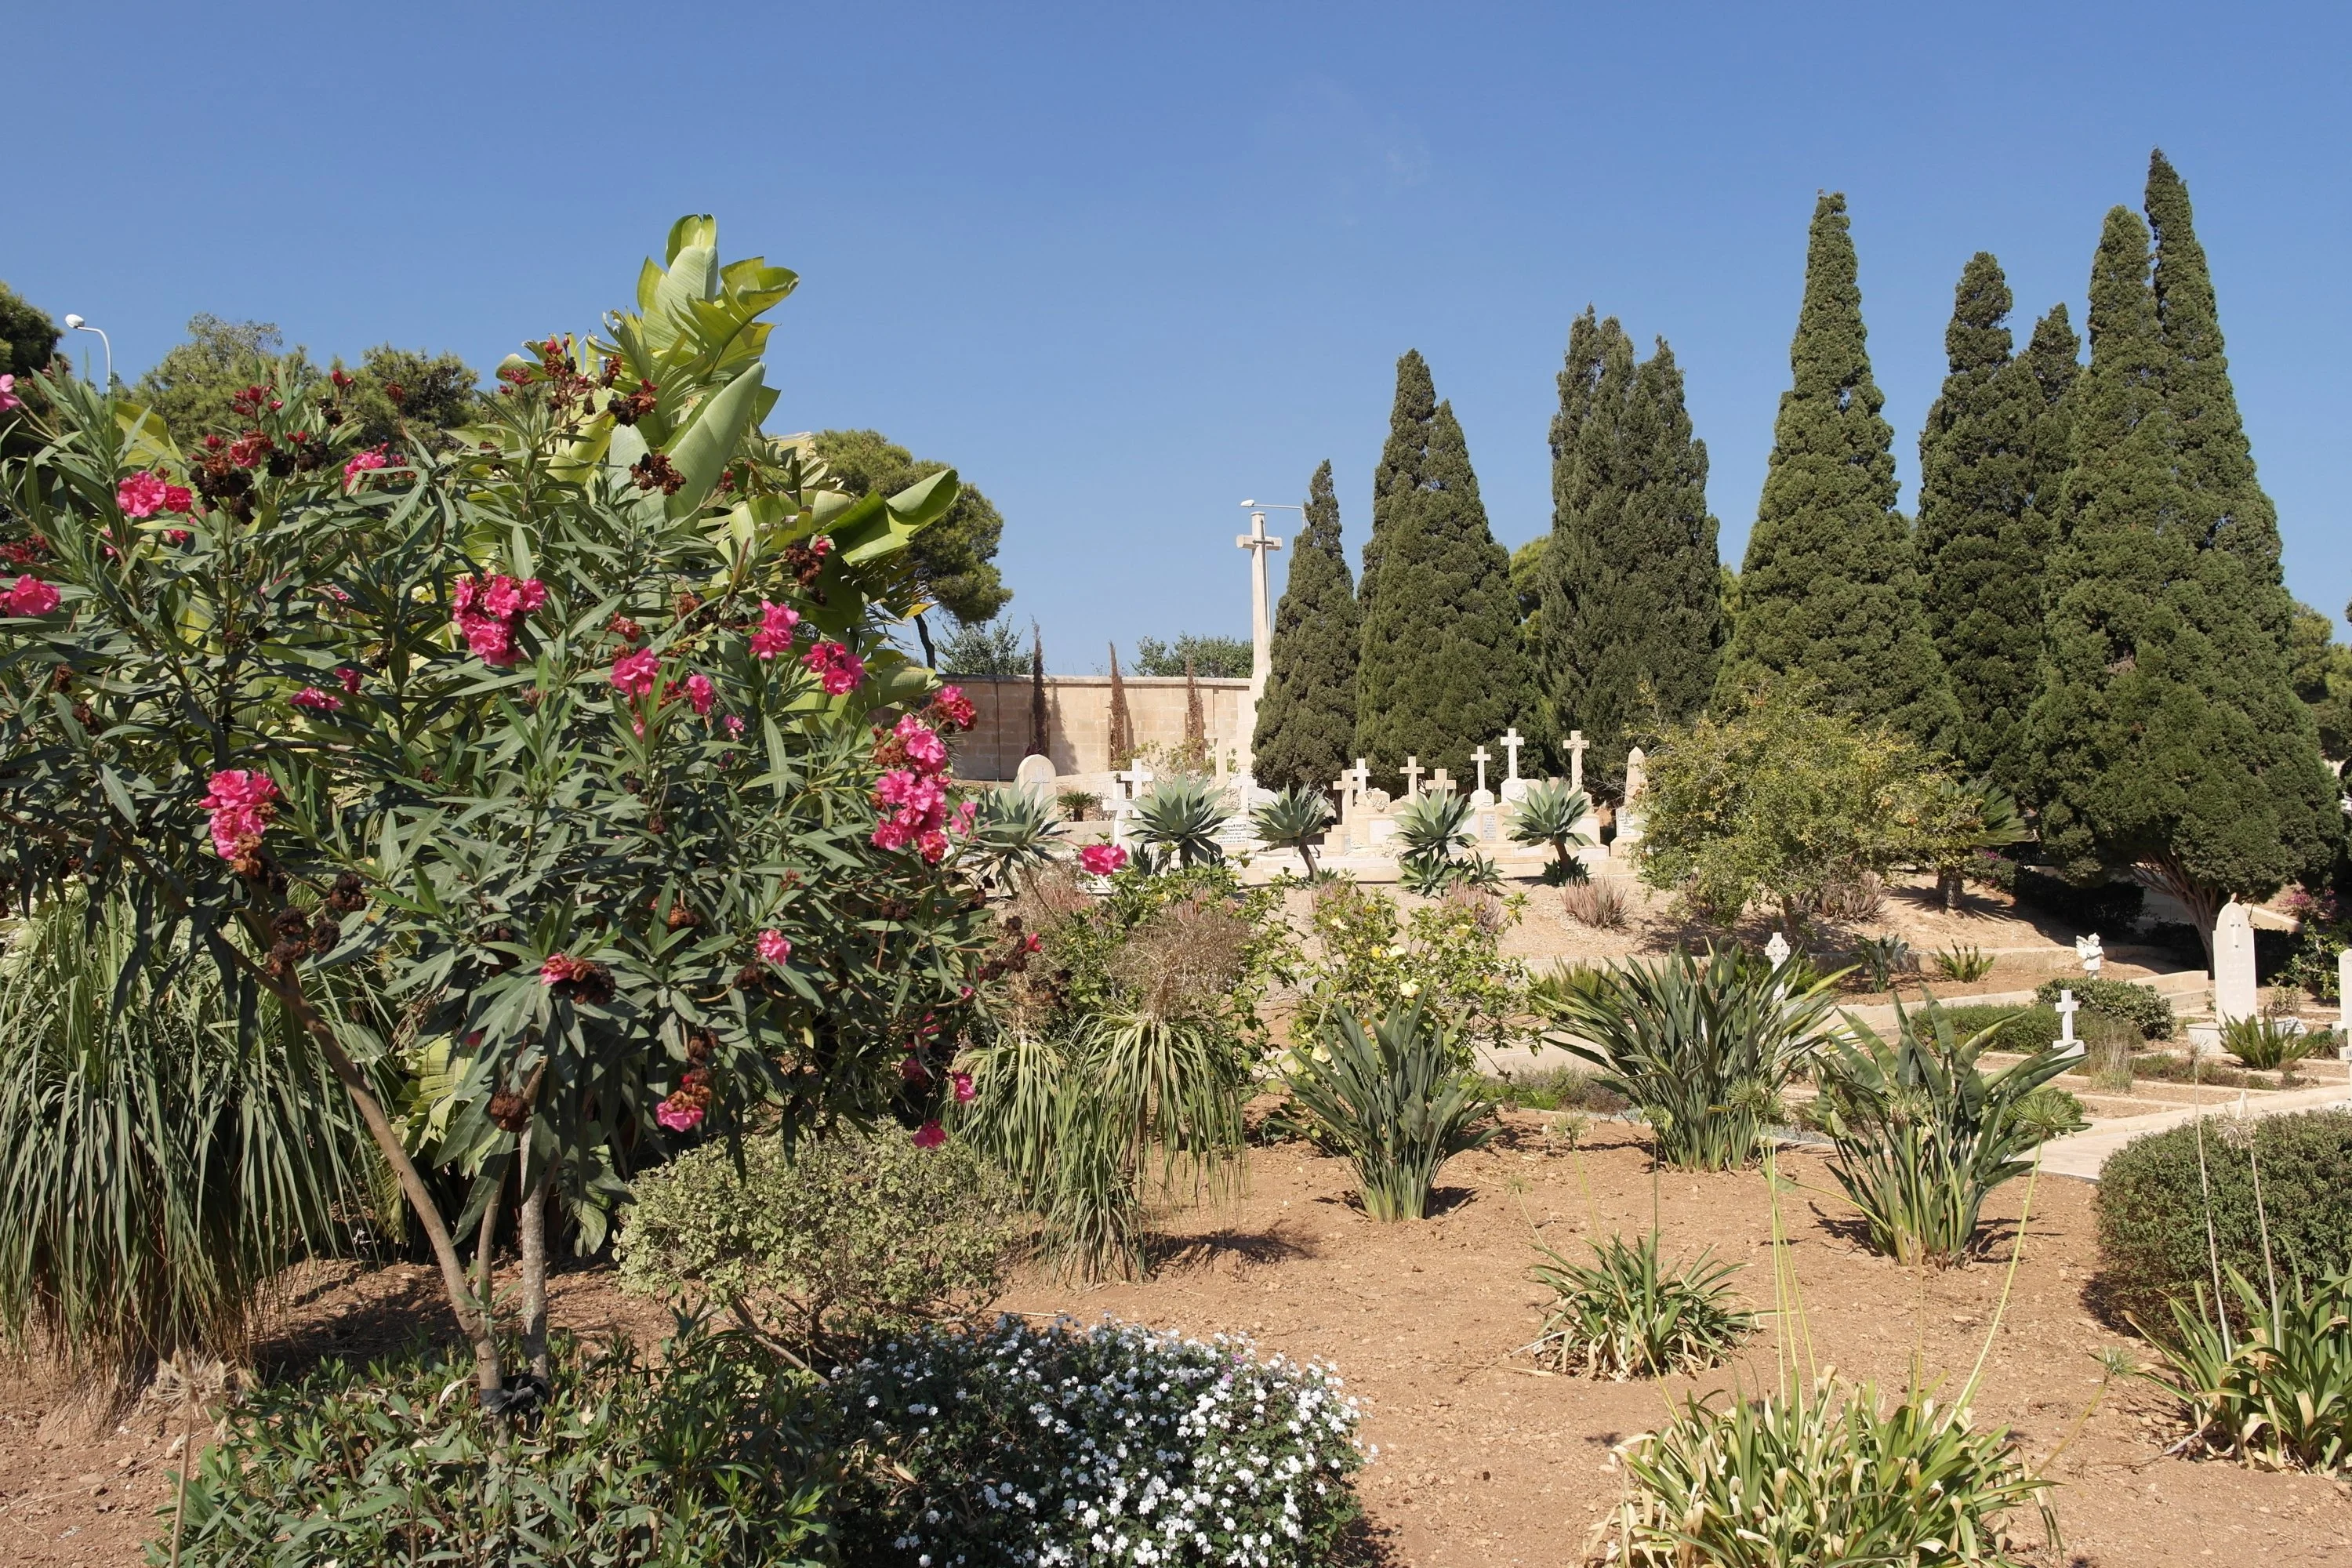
pixel 1923 1136
pixel 1178 819
pixel 1551 813
pixel 1703 1046
pixel 1395 1101
pixel 1012 830
pixel 1432 826
pixel 1293 819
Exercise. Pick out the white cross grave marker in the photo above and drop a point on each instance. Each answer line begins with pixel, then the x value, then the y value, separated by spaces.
pixel 1440 784
pixel 1512 741
pixel 2066 1009
pixel 1345 787
pixel 1363 776
pixel 1412 770
pixel 1136 777
pixel 1481 756
pixel 1777 950
pixel 1576 744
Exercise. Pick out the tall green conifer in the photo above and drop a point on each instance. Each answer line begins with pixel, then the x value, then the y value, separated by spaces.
pixel 1630 620
pixel 1830 591
pixel 1441 670
pixel 2167 735
pixel 1306 721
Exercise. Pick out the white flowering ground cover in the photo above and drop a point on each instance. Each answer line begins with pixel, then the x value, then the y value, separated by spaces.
pixel 1067 1446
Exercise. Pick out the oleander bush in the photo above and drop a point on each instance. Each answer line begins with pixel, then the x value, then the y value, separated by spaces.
pixel 1055 1443
pixel 2175 1203
pixel 2136 1005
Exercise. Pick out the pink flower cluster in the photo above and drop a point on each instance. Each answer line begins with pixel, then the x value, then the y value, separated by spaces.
pixel 634 670
pixel 835 667
pixel 701 693
pixel 9 398
pixel 775 633
pixel 1102 859
pixel 361 463
pixel 683 1110
pixel 144 494
pixel 774 948
pixel 241 811
pixel 914 812
pixel 931 1135
pixel 490 614
pixel 30 596
pixel 316 700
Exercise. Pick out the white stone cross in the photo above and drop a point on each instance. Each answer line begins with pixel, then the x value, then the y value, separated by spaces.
pixel 1512 741
pixel 1363 778
pixel 1777 950
pixel 1412 770
pixel 1345 785
pixel 1576 759
pixel 1440 783
pixel 1258 543
pixel 1136 777
pixel 1482 757
pixel 2066 1009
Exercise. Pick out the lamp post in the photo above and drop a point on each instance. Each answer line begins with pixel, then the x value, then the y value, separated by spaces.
pixel 75 323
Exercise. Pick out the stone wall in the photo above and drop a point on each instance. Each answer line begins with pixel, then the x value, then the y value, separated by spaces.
pixel 1077 717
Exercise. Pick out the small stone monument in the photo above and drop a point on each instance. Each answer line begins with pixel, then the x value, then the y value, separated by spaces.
pixel 1777 950
pixel 1482 796
pixel 1515 788
pixel 2087 949
pixel 1034 776
pixel 1629 815
pixel 2068 1046
pixel 2234 996
pixel 1412 770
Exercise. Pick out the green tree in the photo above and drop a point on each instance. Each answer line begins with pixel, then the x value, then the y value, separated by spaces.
pixel 991 647
pixel 1440 671
pixel 1307 719
pixel 2215 460
pixel 1993 442
pixel 396 392
pixel 1196 653
pixel 28 339
pixel 2321 669
pixel 955 558
pixel 1830 591
pixel 1630 625
pixel 192 387
pixel 2166 736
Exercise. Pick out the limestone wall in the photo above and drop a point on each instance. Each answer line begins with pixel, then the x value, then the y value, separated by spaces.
pixel 1078 715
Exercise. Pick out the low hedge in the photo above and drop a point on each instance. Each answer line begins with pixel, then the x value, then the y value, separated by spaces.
pixel 2153 1204
pixel 2139 1005
pixel 2021 1029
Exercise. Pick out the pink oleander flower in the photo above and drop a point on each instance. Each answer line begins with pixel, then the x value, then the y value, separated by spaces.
pixel 734 722
pixel 963 1087
pixel 317 702
pixel 701 693
pixel 835 667
pixel 241 811
pixel 961 824
pixel 560 967
pixel 1102 859
pixel 774 947
pixel 923 746
pixel 892 834
pixel 954 707
pixel 177 536
pixel 361 463
pixel 931 1135
pixel 911 1069
pixel 632 672
pixel 775 633
pixel 30 596
pixel 680 1115
pixel 141 495
pixel 178 497
pixel 9 398
pixel 490 614
pixel 350 678
pixel 933 846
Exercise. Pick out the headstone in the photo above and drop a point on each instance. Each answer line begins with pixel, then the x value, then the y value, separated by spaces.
pixel 1363 781
pixel 2344 1004
pixel 1629 815
pixel 1344 786
pixel 1480 796
pixel 1777 950
pixel 2089 949
pixel 1036 775
pixel 2234 996
pixel 1412 770
pixel 1490 821
pixel 1576 744
pixel 1440 783
pixel 2068 1046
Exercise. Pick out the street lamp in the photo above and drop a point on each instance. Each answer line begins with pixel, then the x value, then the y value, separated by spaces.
pixel 75 323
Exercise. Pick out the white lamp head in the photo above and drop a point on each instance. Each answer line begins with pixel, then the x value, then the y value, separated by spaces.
pixel 73 323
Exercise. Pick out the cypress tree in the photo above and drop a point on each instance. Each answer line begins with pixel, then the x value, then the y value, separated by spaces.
pixel 1830 591
pixel 1439 670
pixel 1040 732
pixel 1631 624
pixel 1122 722
pixel 2167 735
pixel 2216 462
pixel 1307 719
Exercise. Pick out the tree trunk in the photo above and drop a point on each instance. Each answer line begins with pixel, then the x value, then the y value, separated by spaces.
pixel 2203 903
pixel 531 1238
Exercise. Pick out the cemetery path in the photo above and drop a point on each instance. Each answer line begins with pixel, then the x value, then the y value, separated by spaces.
pixel 2082 1155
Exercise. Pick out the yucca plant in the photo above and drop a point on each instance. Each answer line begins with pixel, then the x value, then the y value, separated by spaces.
pixel 1830 1476
pixel 2263 1043
pixel 2277 1393
pixel 1965 966
pixel 1430 827
pixel 1552 813
pixel 1395 1100
pixel 1177 819
pixel 1922 1136
pixel 1012 830
pixel 1703 1046
pixel 1292 819
pixel 1883 959
pixel 1628 1314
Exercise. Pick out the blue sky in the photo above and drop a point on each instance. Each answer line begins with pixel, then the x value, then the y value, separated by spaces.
pixel 1127 265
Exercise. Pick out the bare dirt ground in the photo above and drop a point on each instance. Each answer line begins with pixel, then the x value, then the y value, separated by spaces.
pixel 1482 1459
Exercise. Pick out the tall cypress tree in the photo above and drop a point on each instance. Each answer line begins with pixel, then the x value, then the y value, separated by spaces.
pixel 1830 591
pixel 2216 461
pixel 2167 734
pixel 1440 671
pixel 1306 721
pixel 1631 619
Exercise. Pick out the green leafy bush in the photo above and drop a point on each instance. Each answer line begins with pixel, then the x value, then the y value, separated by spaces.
pixel 831 1241
pixel 2021 1030
pixel 2154 1207
pixel 1102 1447
pixel 2276 1391
pixel 1837 1476
pixel 1446 957
pixel 2263 1045
pixel 1965 965
pixel 1627 1314
pixel 1703 1046
pixel 1394 1100
pixel 710 1456
pixel 1558 1088
pixel 2139 1006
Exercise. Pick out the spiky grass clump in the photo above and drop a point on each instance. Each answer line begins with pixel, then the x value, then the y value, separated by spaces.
pixel 1628 1314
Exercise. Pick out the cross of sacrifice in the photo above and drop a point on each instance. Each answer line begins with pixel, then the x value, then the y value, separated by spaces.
pixel 1512 741
pixel 1576 759
pixel 1412 770
pixel 1440 782
pixel 2066 1009
pixel 1257 542
pixel 1482 757
pixel 1135 778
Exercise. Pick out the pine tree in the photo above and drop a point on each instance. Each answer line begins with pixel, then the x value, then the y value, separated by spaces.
pixel 1306 718
pixel 2216 461
pixel 1630 624
pixel 1440 671
pixel 1830 591
pixel 2167 735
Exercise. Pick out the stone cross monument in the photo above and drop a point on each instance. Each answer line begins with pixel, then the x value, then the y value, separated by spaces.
pixel 1515 788
pixel 1480 795
pixel 1412 770
pixel 2066 1009
pixel 1576 744
pixel 1259 543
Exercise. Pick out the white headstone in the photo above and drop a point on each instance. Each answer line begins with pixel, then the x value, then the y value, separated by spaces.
pixel 1035 775
pixel 1412 770
pixel 1363 780
pixel 1512 741
pixel 1777 950
pixel 1481 756
pixel 1576 744
pixel 1629 815
pixel 2343 1003
pixel 2089 949
pixel 2066 1009
pixel 2234 996
pixel 1135 781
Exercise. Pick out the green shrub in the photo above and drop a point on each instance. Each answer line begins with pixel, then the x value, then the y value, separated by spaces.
pixel 2020 1030
pixel 1833 1477
pixel 2153 1207
pixel 2136 1004
pixel 1626 1314
pixel 1560 1088
pixel 1113 1445
pixel 831 1242
pixel 2110 1047
pixel 2262 1044
pixel 707 1456
pixel 1393 1101
pixel 1965 965
pixel 2276 1392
